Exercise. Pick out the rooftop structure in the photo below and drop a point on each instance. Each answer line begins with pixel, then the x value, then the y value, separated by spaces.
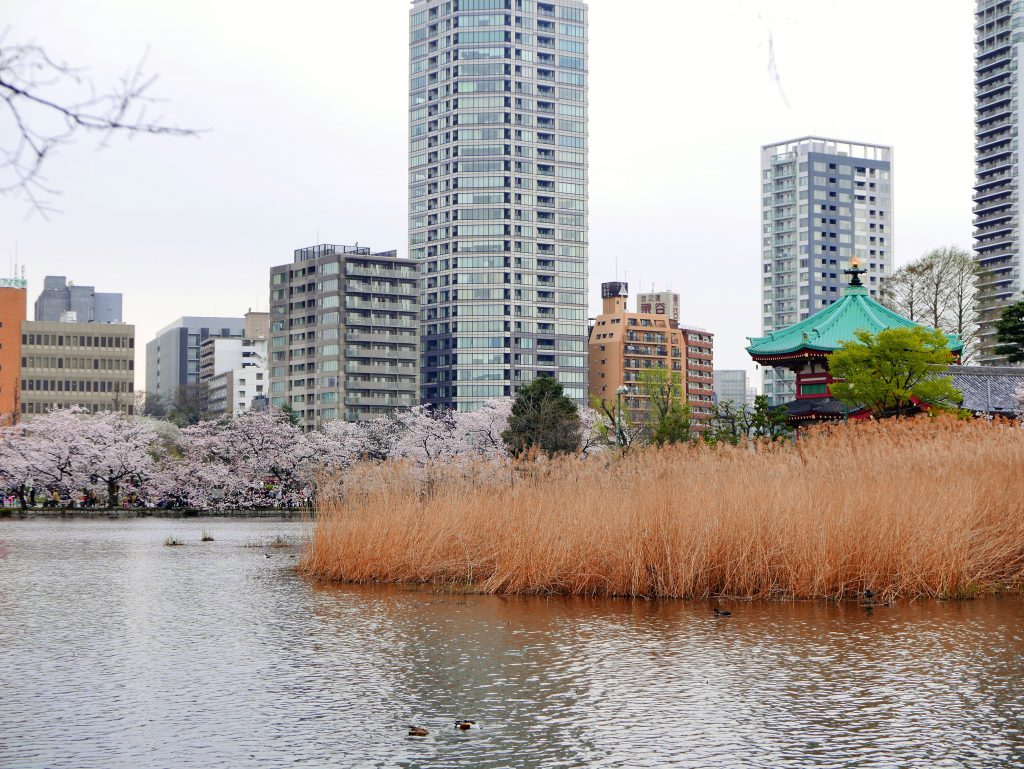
pixel 59 297
pixel 804 347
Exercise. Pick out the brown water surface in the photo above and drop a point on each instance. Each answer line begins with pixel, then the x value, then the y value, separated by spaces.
pixel 116 651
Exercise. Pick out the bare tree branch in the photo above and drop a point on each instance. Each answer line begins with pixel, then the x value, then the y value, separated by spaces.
pixel 47 104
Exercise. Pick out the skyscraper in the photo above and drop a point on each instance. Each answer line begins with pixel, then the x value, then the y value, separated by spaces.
pixel 997 238
pixel 823 201
pixel 498 195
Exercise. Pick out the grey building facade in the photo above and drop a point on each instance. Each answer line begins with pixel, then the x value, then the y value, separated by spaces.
pixel 823 202
pixel 60 297
pixel 76 364
pixel 498 195
pixel 172 357
pixel 998 58
pixel 731 387
pixel 343 334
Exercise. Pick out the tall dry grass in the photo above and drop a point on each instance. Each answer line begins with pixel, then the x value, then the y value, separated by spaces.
pixel 908 509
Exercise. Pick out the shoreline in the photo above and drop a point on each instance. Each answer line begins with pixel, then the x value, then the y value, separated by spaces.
pixel 144 512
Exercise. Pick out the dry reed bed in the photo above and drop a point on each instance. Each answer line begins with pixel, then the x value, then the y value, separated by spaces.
pixel 909 509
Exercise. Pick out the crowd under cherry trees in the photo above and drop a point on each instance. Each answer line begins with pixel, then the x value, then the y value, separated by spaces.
pixel 70 458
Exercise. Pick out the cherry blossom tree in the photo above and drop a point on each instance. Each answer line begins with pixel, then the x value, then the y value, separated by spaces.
pixel 117 455
pixel 256 458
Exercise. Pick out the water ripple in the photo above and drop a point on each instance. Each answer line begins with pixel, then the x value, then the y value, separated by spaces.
pixel 116 651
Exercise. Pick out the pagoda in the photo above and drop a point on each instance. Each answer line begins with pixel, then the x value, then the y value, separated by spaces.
pixel 804 348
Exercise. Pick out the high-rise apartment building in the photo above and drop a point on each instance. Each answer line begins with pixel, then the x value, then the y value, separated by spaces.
pixel 62 300
pixel 624 344
pixel 77 364
pixel 172 357
pixel 343 334
pixel 998 56
pixel 13 301
pixel 823 201
pixel 498 195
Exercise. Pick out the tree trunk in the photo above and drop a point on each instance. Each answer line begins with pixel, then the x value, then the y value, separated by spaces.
pixel 112 492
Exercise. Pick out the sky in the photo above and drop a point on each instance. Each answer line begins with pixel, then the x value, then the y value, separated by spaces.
pixel 303 111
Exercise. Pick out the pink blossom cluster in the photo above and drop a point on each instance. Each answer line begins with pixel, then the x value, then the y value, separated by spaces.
pixel 258 459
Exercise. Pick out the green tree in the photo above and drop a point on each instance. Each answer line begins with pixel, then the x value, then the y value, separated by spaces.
pixel 188 405
pixel 767 421
pixel 1010 333
pixel 542 417
pixel 893 371
pixel 292 414
pixel 669 418
pixel 730 423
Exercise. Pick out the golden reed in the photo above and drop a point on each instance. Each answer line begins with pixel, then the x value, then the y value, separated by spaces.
pixel 908 509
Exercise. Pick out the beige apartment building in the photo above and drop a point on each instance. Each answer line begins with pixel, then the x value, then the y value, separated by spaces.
pixel 77 364
pixel 624 344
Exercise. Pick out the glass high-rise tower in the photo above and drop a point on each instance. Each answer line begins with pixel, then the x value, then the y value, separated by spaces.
pixel 498 195
pixel 998 57
pixel 823 201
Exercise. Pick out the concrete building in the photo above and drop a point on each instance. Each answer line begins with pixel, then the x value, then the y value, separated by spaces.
pixel 731 387
pixel 624 344
pixel 498 195
pixel 343 334
pixel 77 364
pixel 998 57
pixel 172 356
pixel 60 297
pixel 823 201
pixel 234 371
pixel 13 306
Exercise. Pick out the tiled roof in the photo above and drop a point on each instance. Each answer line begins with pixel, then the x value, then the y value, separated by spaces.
pixel 838 322
pixel 987 389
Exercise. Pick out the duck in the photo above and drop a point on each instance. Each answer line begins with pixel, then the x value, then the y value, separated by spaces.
pixel 869 594
pixel 417 731
pixel 463 724
pixel 722 613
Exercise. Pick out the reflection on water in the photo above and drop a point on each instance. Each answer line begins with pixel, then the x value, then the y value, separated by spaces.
pixel 116 651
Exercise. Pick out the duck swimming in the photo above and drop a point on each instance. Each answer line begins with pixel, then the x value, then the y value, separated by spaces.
pixel 722 613
pixel 417 731
pixel 465 725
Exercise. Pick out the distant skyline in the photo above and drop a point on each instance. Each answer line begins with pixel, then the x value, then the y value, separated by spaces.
pixel 306 112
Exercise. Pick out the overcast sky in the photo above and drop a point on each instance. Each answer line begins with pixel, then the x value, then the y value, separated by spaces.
pixel 306 110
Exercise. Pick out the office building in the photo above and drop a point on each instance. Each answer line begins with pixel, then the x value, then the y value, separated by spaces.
pixel 498 195
pixel 624 344
pixel 13 306
pixel 234 371
pixel 76 364
pixel 343 334
pixel 61 300
pixel 172 356
pixel 997 188
pixel 823 201
pixel 731 387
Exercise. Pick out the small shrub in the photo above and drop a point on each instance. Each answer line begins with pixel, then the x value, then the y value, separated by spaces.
pixel 279 541
pixel 206 536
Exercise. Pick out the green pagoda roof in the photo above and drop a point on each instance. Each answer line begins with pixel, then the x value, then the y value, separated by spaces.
pixel 838 322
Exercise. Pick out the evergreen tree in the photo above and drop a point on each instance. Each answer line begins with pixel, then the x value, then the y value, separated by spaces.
pixel 543 417
pixel 1010 333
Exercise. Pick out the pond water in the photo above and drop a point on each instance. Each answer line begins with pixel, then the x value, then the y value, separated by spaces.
pixel 116 651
